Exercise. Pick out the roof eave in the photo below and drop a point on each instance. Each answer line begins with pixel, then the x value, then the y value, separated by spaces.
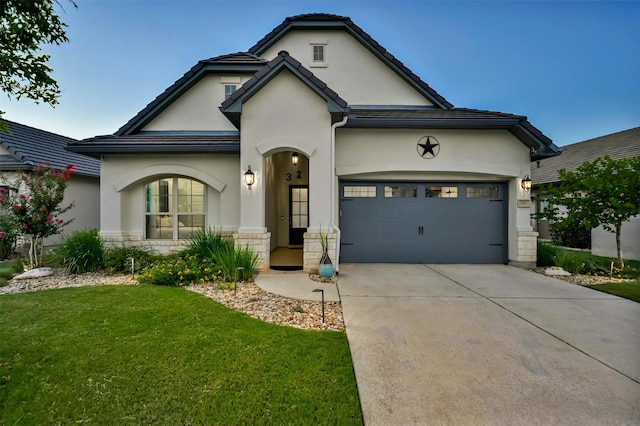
pixel 182 85
pixel 540 147
pixel 98 150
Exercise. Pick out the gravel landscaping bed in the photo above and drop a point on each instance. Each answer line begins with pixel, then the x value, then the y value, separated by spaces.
pixel 584 279
pixel 249 299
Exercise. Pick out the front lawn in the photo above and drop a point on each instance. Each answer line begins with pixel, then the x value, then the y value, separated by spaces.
pixel 159 355
pixel 629 290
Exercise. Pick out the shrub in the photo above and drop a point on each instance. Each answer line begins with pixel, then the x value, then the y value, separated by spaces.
pixel 180 271
pixel 118 259
pixel 567 233
pixel 82 251
pixel 206 243
pixel 8 236
pixel 231 258
pixel 546 254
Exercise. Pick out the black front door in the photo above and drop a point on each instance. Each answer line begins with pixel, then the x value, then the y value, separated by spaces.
pixel 298 213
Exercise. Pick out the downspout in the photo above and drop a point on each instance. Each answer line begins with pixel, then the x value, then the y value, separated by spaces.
pixel 334 126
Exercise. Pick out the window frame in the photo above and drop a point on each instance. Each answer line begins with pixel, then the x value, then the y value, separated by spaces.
pixel 173 210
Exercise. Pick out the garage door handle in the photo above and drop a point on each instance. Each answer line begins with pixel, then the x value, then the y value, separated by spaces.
pixel 495 244
pixel 420 230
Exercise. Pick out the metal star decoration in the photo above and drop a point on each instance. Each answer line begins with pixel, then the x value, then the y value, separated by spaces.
pixel 429 149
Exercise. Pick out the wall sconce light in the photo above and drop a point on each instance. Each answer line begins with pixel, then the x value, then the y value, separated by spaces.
pixel 249 177
pixel 526 183
pixel 295 158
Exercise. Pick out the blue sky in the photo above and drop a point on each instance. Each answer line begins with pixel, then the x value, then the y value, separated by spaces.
pixel 572 67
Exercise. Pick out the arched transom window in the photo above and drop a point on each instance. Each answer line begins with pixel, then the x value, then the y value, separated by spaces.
pixel 174 208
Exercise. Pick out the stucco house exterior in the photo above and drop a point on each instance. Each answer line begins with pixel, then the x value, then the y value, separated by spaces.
pixel 23 147
pixel 337 135
pixel 623 144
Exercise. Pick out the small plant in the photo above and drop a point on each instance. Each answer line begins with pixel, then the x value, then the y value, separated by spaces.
pixel 299 309
pixel 206 243
pixel 230 258
pixel 546 254
pixel 82 251
pixel 118 259
pixel 180 271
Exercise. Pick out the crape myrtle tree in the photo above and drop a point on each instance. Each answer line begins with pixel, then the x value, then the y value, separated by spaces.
pixel 604 192
pixel 34 209
pixel 25 26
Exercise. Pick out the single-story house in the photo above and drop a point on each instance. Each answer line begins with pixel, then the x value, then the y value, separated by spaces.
pixel 623 144
pixel 23 147
pixel 316 128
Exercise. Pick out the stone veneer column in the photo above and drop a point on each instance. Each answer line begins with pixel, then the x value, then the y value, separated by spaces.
pixel 312 251
pixel 527 249
pixel 260 243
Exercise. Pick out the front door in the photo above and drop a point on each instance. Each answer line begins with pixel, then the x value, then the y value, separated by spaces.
pixel 298 213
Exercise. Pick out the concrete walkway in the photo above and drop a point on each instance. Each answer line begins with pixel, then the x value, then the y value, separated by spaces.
pixel 296 285
pixel 488 345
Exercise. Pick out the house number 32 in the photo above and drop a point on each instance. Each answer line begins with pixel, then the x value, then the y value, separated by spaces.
pixel 298 175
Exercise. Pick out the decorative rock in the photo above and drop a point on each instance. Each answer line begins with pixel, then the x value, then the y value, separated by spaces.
pixel 555 271
pixel 34 273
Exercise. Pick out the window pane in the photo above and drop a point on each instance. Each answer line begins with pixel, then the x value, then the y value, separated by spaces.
pixel 159 227
pixel 359 191
pixel 487 191
pixel 318 53
pixel 400 191
pixel 442 192
pixel 188 224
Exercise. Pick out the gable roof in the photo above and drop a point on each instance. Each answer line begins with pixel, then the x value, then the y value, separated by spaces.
pixel 624 144
pixel 240 62
pixel 30 147
pixel 232 107
pixel 328 21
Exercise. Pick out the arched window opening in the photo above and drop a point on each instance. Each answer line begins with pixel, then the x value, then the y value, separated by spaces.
pixel 174 208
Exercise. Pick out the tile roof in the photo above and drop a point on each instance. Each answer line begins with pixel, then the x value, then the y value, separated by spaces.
pixel 624 144
pixel 158 142
pixel 30 147
pixel 241 62
pixel 323 20
pixel 283 60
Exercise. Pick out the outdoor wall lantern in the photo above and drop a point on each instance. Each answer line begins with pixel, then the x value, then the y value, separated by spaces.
pixel 526 183
pixel 295 158
pixel 249 177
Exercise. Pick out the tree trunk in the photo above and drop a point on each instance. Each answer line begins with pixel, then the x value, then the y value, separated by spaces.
pixel 619 244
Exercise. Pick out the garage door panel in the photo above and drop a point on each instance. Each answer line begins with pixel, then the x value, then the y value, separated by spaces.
pixel 422 228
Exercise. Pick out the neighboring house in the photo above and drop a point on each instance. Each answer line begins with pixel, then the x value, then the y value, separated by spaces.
pixel 624 144
pixel 384 162
pixel 22 148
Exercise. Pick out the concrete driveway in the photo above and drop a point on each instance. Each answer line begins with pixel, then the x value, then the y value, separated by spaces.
pixel 488 344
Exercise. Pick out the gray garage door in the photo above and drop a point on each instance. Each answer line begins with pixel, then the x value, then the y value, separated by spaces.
pixel 422 222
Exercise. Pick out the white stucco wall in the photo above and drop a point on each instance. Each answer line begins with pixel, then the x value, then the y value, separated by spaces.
pixel 124 177
pixel 351 70
pixel 197 108
pixel 285 115
pixel 465 155
pixel 603 243
pixel 83 191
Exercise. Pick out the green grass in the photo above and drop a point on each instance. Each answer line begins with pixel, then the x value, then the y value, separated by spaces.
pixel 132 355
pixel 629 290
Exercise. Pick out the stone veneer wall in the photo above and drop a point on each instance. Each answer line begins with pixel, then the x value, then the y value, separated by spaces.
pixel 312 250
pixel 158 246
pixel 527 249
pixel 259 243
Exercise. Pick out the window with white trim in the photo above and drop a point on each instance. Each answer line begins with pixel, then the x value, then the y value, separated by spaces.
pixel 174 208
pixel 229 89
pixel 318 52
